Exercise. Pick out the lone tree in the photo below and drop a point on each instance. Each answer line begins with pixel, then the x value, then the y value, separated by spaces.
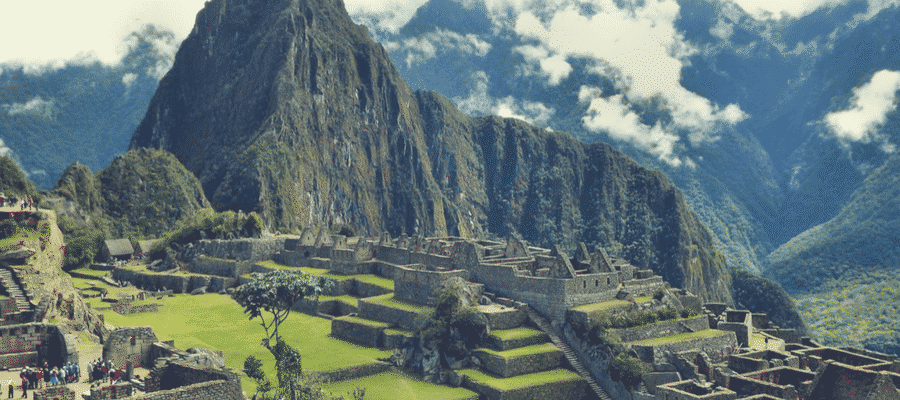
pixel 275 293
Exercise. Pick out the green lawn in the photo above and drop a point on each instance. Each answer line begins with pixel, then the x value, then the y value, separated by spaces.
pixel 521 381
pixel 524 351
pixel 601 306
pixel 681 337
pixel 389 301
pixel 392 385
pixel 643 299
pixel 375 280
pixel 517 333
pixel 90 272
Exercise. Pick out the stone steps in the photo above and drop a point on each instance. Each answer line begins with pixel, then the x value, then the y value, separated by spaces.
pixel 542 323
pixel 16 292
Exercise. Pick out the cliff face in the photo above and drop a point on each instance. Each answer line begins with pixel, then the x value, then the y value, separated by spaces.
pixel 291 110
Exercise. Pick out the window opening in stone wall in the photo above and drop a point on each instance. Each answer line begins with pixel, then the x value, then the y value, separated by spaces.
pixel 596 282
pixel 584 285
pixel 607 280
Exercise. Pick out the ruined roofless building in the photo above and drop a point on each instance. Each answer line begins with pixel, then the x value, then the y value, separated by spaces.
pixel 550 281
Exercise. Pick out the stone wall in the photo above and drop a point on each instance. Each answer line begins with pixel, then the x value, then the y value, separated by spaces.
pixel 718 348
pixel 19 345
pixel 120 348
pixel 153 281
pixel 357 332
pixel 178 380
pixel 117 391
pixel 503 317
pixel 241 249
pixel 417 284
pixel 219 267
pixel 660 329
pixel 125 307
pixel 345 374
pixel 744 386
pixel 405 319
pixel 575 389
pixel 513 366
pixel 8 306
pixel 54 393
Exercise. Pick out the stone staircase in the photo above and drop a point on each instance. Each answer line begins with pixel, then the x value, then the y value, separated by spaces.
pixel 15 291
pixel 542 323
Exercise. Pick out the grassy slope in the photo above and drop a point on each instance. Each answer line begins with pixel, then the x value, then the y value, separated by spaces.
pixel 392 385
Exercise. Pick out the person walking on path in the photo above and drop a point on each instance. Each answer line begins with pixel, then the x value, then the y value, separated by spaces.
pixel 24 389
pixel 12 388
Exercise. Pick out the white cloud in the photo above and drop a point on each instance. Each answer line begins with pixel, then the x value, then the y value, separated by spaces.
pixel 425 47
pixel 128 79
pixel 868 110
pixel 35 106
pixel 723 30
pixel 388 15
pixel 639 48
pixel 4 150
pixel 776 9
pixel 613 114
pixel 51 34
pixel 480 102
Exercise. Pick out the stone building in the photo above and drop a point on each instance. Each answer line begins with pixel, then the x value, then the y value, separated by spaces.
pixel 117 249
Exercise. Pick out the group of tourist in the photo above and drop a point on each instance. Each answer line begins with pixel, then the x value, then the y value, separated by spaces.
pixel 38 377
pixel 103 370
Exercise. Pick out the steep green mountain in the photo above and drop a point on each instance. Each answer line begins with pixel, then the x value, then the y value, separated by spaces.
pixel 291 110
pixel 142 193
pixel 847 266
pixel 13 182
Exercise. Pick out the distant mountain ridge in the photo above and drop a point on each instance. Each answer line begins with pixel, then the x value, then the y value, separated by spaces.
pixel 293 111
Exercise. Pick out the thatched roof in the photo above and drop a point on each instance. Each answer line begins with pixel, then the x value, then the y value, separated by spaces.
pixel 145 245
pixel 119 247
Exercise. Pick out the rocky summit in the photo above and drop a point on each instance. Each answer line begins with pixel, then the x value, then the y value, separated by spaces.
pixel 289 109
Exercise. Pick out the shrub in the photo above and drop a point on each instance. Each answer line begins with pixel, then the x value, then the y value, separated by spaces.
pixel 688 313
pixel 667 314
pixel 628 370
pixel 659 294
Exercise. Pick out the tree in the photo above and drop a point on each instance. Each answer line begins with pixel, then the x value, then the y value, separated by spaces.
pixel 275 293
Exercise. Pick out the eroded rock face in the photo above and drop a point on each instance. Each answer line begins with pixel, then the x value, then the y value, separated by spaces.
pixel 289 109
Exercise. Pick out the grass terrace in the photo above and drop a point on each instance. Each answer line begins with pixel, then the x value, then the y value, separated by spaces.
pixel 368 278
pixel 517 333
pixel 681 337
pixel 87 272
pixel 395 331
pixel 643 299
pixel 397 385
pixel 602 306
pixel 521 381
pixel 523 351
pixel 388 300
pixel 367 322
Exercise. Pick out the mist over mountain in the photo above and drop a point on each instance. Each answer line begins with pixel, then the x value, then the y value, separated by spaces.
pixel 83 111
